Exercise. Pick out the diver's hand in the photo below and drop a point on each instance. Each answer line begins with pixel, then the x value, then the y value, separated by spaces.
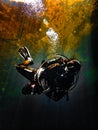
pixel 24 53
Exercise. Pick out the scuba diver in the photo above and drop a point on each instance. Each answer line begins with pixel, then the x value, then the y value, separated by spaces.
pixel 54 77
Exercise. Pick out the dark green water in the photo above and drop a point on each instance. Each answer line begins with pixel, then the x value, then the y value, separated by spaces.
pixel 19 112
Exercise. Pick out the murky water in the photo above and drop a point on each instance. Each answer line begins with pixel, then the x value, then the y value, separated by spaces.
pixel 69 34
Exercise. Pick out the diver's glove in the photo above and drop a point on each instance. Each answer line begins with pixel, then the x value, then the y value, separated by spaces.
pixel 24 53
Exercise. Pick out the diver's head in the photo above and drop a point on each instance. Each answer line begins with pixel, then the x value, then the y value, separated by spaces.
pixel 74 65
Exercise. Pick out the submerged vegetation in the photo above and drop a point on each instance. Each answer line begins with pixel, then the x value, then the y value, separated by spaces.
pixel 21 25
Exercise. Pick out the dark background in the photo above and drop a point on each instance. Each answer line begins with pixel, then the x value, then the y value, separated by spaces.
pixel 19 112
